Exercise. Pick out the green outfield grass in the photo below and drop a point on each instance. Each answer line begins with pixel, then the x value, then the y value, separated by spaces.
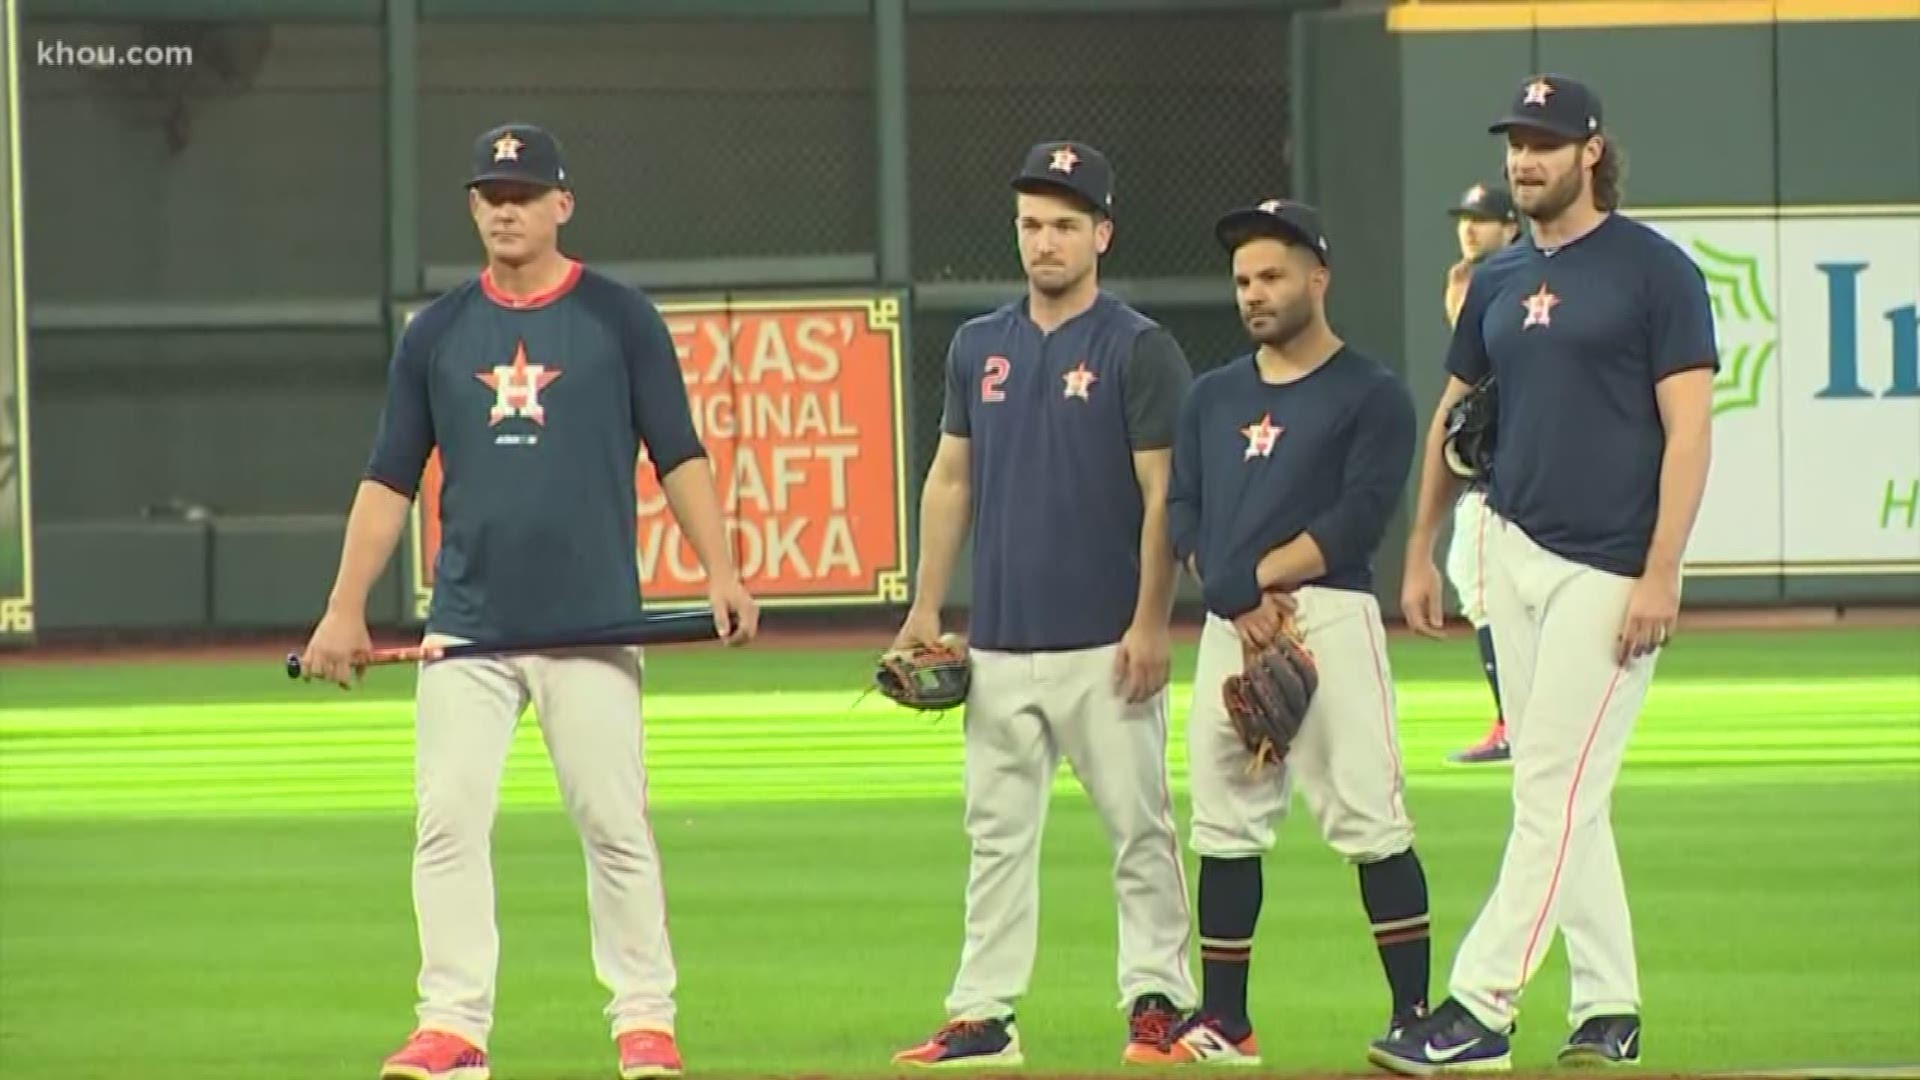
pixel 203 872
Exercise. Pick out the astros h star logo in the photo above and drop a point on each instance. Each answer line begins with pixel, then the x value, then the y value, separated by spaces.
pixel 1079 381
pixel 516 388
pixel 1539 305
pixel 1261 437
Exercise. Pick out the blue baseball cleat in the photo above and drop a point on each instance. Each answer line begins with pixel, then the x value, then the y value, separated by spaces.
pixel 1603 1040
pixel 1451 1039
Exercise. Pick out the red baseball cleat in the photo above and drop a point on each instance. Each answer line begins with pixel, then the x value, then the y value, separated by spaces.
pixel 648 1052
pixel 436 1055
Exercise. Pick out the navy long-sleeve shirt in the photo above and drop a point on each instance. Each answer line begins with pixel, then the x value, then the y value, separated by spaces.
pixel 539 408
pixel 1256 464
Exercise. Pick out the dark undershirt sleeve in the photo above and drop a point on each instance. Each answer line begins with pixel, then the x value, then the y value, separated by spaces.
pixel 661 416
pixel 404 438
pixel 1155 384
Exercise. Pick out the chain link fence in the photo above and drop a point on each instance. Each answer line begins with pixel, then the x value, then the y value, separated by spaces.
pixel 257 171
pixel 202 161
pixel 686 139
pixel 1192 109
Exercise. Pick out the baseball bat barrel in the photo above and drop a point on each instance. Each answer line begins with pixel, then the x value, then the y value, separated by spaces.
pixel 669 628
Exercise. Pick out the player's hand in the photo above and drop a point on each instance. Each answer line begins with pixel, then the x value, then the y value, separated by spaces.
pixel 1141 664
pixel 1420 598
pixel 921 628
pixel 337 652
pixel 1653 608
pixel 735 614
pixel 1259 627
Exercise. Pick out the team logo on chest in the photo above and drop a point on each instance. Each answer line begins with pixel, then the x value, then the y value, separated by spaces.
pixel 1261 437
pixel 1079 381
pixel 516 388
pixel 1539 305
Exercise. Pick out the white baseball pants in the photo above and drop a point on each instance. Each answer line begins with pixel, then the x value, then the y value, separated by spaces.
pixel 1346 759
pixel 1025 712
pixel 588 704
pixel 1570 710
pixel 1467 555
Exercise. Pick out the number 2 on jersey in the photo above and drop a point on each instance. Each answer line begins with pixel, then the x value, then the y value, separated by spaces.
pixel 997 371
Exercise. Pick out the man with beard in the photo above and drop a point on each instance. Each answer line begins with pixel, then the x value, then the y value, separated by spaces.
pixel 1056 444
pixel 1288 464
pixel 1485 222
pixel 1599 334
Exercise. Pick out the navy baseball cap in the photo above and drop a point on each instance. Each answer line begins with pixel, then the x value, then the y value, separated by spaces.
pixel 1554 104
pixel 1279 219
pixel 1486 202
pixel 518 152
pixel 1072 167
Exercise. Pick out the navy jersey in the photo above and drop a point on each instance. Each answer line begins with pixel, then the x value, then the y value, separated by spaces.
pixel 539 408
pixel 1576 341
pixel 1053 421
pixel 1259 463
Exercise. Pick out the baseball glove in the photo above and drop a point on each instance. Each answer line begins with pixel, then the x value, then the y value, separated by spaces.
pixel 1267 701
pixel 1471 430
pixel 931 678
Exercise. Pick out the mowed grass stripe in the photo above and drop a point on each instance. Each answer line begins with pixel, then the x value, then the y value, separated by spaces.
pixel 530 784
pixel 33 772
pixel 1882 704
pixel 813 737
pixel 316 749
pixel 1900 695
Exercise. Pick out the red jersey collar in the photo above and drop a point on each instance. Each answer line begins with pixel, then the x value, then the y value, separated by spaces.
pixel 536 300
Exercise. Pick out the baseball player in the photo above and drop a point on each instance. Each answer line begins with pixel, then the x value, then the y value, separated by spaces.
pixel 539 384
pixel 1056 444
pixel 1288 464
pixel 1484 222
pixel 1599 336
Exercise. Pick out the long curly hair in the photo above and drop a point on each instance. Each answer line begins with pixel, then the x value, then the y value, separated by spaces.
pixel 1609 175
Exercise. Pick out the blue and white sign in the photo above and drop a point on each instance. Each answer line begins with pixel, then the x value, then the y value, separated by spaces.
pixel 1816 457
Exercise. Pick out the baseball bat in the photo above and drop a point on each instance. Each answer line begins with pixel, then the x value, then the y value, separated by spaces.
pixel 669 628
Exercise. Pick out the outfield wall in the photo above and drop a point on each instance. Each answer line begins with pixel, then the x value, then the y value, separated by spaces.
pixel 197 431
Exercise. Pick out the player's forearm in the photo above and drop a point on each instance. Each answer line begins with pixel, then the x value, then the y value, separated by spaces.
pixel 374 523
pixel 1683 482
pixel 1455 299
pixel 1299 559
pixel 1439 488
pixel 945 506
pixel 696 509
pixel 1154 604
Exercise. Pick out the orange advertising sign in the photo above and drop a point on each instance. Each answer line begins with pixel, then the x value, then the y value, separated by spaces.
pixel 799 404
